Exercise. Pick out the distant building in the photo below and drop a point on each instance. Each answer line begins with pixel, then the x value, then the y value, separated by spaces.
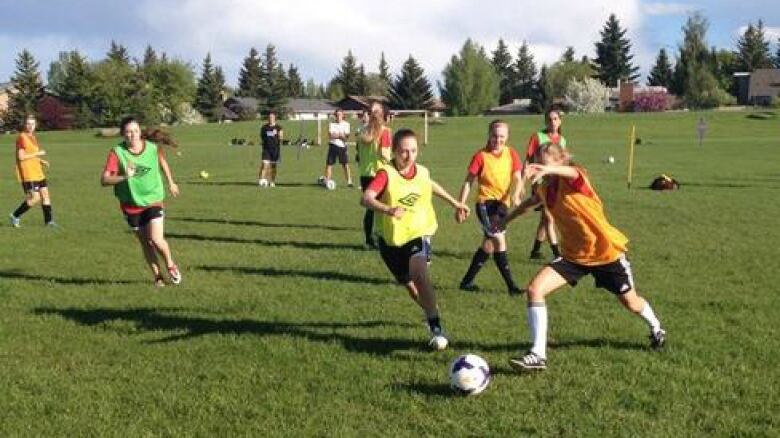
pixel 240 108
pixel 356 104
pixel 5 96
pixel 436 107
pixel 517 106
pixel 760 87
pixel 309 109
pixel 621 98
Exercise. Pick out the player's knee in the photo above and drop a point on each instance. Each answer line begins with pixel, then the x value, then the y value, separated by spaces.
pixel 534 293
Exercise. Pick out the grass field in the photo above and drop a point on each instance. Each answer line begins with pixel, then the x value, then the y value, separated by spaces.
pixel 285 326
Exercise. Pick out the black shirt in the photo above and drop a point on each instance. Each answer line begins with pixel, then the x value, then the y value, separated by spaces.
pixel 269 135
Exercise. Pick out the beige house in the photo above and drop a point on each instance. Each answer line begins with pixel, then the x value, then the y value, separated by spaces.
pixel 5 94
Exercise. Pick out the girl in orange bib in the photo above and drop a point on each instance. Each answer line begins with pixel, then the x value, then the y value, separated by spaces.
pixel 590 245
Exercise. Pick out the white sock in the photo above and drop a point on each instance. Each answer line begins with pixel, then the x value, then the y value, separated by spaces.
pixel 537 323
pixel 649 316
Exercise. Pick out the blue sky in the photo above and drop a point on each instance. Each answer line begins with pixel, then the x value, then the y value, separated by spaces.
pixel 316 34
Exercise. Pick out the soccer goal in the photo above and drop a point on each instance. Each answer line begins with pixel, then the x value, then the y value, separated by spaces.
pixel 423 113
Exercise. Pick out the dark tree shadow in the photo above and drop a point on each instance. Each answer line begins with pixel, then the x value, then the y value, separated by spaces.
pixel 76 281
pixel 260 224
pixel 184 327
pixel 317 275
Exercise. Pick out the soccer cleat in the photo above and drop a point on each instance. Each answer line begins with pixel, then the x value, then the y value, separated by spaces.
pixel 349 184
pixel 515 291
pixel 15 221
pixel 469 287
pixel 175 275
pixel 536 255
pixel 530 362
pixel 370 244
pixel 658 339
pixel 272 184
pixel 159 281
pixel 53 225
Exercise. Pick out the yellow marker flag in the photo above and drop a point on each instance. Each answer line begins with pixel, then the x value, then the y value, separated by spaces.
pixel 631 143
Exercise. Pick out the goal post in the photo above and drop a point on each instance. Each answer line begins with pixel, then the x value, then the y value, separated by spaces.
pixel 424 114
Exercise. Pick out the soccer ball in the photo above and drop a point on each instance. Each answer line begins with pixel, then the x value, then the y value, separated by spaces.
pixel 204 174
pixel 330 184
pixel 321 181
pixel 263 182
pixel 469 374
pixel 611 160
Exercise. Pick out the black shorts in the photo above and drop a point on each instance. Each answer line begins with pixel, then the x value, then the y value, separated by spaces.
pixel 365 181
pixel 142 219
pixel 615 277
pixel 336 152
pixel 34 186
pixel 492 216
pixel 397 258
pixel 271 154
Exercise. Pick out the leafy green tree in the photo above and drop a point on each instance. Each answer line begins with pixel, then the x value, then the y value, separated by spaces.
pixel 661 74
pixel 173 86
pixel 384 76
pixel 410 89
pixel 753 49
pixel 250 76
pixel 524 73
pixel 561 73
pixel 71 79
pixel 694 79
pixel 294 82
pixel 347 75
pixel 272 93
pixel 114 86
pixel 613 55
pixel 724 65
pixel 471 84
pixel 777 55
pixel 28 90
pixel 502 62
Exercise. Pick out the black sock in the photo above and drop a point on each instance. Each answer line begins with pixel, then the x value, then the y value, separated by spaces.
pixel 537 246
pixel 503 267
pixel 556 250
pixel 22 209
pixel 368 225
pixel 434 324
pixel 46 213
pixel 479 259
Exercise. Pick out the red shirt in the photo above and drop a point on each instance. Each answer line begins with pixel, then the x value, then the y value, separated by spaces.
pixel 112 168
pixel 379 183
pixel 384 139
pixel 475 167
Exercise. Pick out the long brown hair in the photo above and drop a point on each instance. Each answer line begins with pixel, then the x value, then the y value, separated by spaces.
pixel 376 123
pixel 159 137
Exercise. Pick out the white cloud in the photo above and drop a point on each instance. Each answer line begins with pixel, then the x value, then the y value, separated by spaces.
pixel 667 8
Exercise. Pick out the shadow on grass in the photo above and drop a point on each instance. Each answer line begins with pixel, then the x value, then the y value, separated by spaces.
pixel 259 224
pixel 317 275
pixel 763 115
pixel 299 244
pixel 427 389
pixel 76 281
pixel 185 327
pixel 723 185
pixel 600 343
pixel 221 183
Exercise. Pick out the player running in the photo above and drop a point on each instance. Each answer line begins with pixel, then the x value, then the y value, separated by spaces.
pixel 590 245
pixel 498 170
pixel 29 171
pixel 546 228
pixel 373 149
pixel 401 192
pixel 135 168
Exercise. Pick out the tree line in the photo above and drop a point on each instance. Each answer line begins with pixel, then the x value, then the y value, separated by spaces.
pixel 162 90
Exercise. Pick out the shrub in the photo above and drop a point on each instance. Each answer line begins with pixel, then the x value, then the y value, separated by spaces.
pixel 651 101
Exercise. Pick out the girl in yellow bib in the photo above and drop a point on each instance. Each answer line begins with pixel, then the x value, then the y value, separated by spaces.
pixel 590 245
pixel 402 193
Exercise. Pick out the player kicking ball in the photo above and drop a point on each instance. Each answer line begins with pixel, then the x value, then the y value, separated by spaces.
pixel 401 192
pixel 589 245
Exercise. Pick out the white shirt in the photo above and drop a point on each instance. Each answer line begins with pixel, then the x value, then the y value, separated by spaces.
pixel 339 129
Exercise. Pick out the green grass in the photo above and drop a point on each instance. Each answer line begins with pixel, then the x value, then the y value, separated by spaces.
pixel 284 326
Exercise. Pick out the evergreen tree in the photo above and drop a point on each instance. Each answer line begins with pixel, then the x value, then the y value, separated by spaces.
pixel 543 95
pixel 118 53
pixel 294 82
pixel 694 79
pixel 347 76
pixel 502 62
pixel 661 74
pixel 249 77
pixel 410 89
pixel 150 57
pixel 524 73
pixel 568 55
pixel 70 78
pixel 272 93
pixel 753 49
pixel 613 57
pixel 384 75
pixel 208 100
pixel 311 90
pixel 362 81
pixel 28 90
pixel 777 55
pixel 471 84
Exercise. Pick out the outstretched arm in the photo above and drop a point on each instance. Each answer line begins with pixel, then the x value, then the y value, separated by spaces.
pixel 524 207
pixel 538 171
pixel 461 210
pixel 174 189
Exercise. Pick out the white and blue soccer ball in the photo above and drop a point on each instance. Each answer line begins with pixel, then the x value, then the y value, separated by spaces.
pixel 330 184
pixel 469 374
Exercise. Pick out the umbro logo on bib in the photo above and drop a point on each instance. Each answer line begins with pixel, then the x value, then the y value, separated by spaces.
pixel 410 199
pixel 141 170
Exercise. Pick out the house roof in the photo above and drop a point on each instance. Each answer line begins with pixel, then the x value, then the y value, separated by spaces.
pixel 765 82
pixel 246 102
pixel 310 106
